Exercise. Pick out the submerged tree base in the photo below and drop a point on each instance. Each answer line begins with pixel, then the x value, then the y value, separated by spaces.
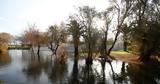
pixel 89 61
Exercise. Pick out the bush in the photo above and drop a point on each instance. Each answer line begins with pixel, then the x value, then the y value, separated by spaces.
pixel 3 48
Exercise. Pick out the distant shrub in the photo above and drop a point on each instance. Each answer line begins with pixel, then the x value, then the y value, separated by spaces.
pixel 3 48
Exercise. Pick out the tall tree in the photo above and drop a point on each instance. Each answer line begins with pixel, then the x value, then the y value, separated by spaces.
pixel 146 29
pixel 126 30
pixel 4 40
pixel 87 15
pixel 53 37
pixel 56 34
pixel 34 37
pixel 75 30
pixel 121 12
pixel 107 21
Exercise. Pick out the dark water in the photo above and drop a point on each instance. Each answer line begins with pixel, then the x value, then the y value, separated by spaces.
pixel 22 67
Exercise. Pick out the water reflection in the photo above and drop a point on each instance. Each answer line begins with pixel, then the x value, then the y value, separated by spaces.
pixel 138 74
pixel 102 79
pixel 58 72
pixel 122 77
pixel 33 69
pixel 29 70
pixel 83 75
pixel 4 59
pixel 143 74
pixel 74 79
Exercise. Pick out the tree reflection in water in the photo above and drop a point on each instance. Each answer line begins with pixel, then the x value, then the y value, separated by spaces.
pixel 106 73
pixel 58 72
pixel 102 80
pixel 74 79
pixel 4 59
pixel 89 75
pixel 35 66
pixel 122 77
pixel 143 74
pixel 138 74
pixel 83 75
pixel 34 69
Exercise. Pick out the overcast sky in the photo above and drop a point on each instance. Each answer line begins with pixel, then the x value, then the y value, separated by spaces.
pixel 15 15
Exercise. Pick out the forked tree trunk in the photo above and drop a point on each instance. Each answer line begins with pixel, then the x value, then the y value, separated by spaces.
pixel 51 47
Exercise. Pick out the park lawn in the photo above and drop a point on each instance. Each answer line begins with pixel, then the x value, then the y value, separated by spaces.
pixel 125 56
pixel 120 52
pixel 19 47
pixel 118 55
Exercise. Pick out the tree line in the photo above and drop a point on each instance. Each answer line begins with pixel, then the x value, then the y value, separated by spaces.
pixel 135 21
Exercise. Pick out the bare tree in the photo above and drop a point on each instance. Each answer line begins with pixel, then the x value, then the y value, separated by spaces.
pixel 4 40
pixel 121 10
pixel 56 34
pixel 34 37
pixel 107 20
pixel 87 16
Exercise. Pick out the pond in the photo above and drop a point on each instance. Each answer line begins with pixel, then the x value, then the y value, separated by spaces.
pixel 22 67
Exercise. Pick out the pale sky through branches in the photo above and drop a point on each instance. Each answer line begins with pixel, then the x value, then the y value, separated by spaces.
pixel 15 15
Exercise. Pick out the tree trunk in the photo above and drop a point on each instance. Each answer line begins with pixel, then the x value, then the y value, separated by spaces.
pixel 89 58
pixel 123 67
pixel 145 53
pixel 76 53
pixel 125 46
pixel 105 42
pixel 89 61
pixel 38 51
pixel 109 51
pixel 32 52
pixel 89 49
pixel 51 47
pixel 56 49
pixel 145 56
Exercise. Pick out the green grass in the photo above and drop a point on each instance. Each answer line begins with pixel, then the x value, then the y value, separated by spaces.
pixel 120 52
pixel 18 47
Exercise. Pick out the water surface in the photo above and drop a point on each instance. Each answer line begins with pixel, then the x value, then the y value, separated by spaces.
pixel 23 67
